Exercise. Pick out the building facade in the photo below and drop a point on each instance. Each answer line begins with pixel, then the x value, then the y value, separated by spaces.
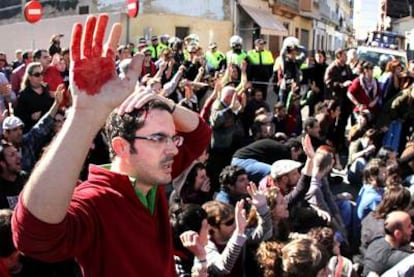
pixel 318 24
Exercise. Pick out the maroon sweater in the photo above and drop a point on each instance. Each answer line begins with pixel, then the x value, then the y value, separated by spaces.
pixel 107 228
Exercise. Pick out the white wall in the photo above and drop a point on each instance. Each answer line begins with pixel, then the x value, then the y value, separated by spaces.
pixel 24 35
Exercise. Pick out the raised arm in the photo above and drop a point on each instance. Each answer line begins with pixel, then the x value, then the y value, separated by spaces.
pixel 96 91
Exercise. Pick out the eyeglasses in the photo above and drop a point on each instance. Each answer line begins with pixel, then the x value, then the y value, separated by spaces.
pixel 229 222
pixel 163 139
pixel 37 74
pixel 148 55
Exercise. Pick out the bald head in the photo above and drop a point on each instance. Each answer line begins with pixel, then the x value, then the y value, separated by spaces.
pixel 398 225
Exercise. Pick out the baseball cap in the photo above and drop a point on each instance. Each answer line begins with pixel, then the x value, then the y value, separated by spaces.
pixel 12 122
pixel 339 51
pixel 142 42
pixel 259 41
pixel 283 167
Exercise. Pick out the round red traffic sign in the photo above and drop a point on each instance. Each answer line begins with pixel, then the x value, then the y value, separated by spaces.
pixel 33 11
pixel 133 8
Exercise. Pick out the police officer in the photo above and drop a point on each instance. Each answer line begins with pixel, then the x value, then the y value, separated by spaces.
pixel 260 66
pixel 156 48
pixel 215 59
pixel 236 55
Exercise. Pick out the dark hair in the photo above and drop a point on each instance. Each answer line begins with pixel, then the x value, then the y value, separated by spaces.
pixel 37 54
pixel 384 153
pixel 395 198
pixel 25 55
pixel 121 48
pixel 325 236
pixel 185 218
pixel 126 125
pixel 188 186
pixel 6 246
pixel 228 176
pixel 294 143
pixel 65 51
pixel 372 170
pixel 310 122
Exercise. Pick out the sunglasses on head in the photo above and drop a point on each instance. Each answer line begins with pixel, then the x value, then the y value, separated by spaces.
pixel 229 222
pixel 37 74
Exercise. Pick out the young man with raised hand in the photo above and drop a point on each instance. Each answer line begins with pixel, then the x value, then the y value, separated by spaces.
pixel 116 223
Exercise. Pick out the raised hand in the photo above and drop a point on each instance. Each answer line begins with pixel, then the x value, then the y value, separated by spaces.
pixel 240 217
pixel 307 147
pixel 257 197
pixel 138 99
pixel 191 241
pixel 93 65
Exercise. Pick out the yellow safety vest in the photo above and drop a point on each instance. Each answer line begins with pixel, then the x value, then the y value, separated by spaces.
pixel 236 58
pixel 266 55
pixel 155 53
pixel 214 59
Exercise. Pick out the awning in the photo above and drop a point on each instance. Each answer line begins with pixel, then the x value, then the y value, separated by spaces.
pixel 269 25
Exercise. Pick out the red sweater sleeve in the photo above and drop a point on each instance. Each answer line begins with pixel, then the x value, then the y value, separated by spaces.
pixel 53 242
pixel 195 143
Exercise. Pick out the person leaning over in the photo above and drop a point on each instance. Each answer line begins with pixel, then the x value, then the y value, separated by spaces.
pixel 116 223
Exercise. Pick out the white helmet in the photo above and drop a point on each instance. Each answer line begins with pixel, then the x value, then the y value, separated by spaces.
pixel 235 40
pixel 291 42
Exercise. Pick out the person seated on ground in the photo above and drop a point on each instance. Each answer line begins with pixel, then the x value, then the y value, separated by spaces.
pixel 372 190
pixel 385 252
pixel 178 181
pixel 256 102
pixel 12 177
pixel 363 123
pixel 257 157
pixel 293 186
pixel 190 236
pixel 9 255
pixel 312 128
pixel 262 127
pixel 320 197
pixel 283 121
pixel 327 121
pixel 395 198
pixel 196 188
pixel 229 233
pixel 304 255
pixel 279 214
pixel 233 185
pixel 360 152
pixel 338 265
pixel 269 257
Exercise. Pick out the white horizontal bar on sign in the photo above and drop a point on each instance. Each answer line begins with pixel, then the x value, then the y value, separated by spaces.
pixel 34 12
pixel 132 6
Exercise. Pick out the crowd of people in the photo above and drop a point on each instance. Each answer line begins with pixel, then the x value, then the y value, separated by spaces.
pixel 166 159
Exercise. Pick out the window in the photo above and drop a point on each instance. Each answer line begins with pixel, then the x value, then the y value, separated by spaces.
pixel 83 9
pixel 182 32
pixel 304 38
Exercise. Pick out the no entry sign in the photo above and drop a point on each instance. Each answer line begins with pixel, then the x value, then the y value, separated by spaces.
pixel 133 8
pixel 33 11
